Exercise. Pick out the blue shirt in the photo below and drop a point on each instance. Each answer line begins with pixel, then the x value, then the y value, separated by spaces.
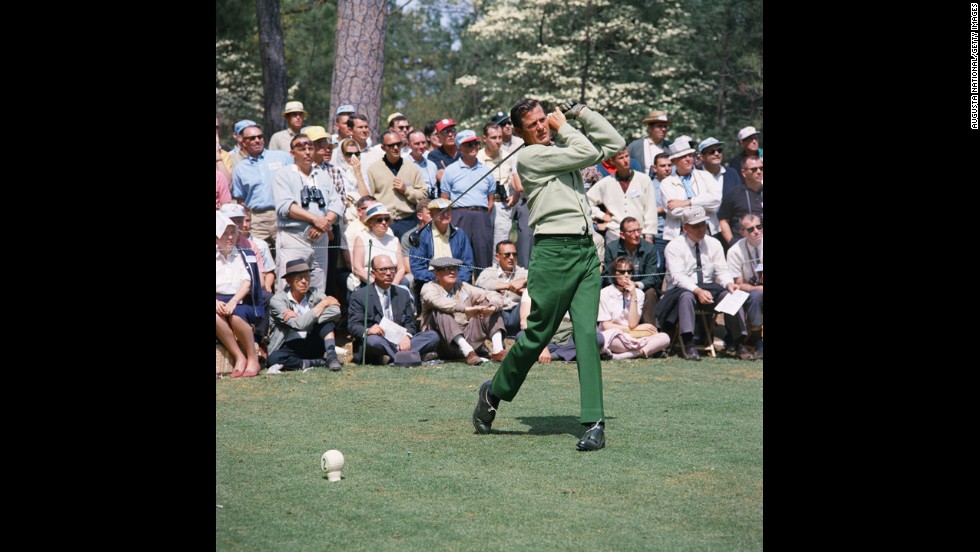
pixel 458 177
pixel 429 173
pixel 252 179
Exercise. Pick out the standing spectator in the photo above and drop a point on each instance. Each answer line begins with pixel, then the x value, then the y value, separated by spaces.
pixel 307 206
pixel 239 153
pixel 471 208
pixel 505 176
pixel 417 146
pixel 661 168
pixel 252 182
pixel 397 184
pixel 446 154
pixel 222 194
pixel 222 161
pixel 688 187
pixel 712 156
pixel 509 141
pixel 295 116
pixel 748 139
pixel 626 193
pixel 342 131
pixel 744 199
pixel 643 150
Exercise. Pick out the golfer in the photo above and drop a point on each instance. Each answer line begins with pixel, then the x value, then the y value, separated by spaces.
pixel 564 268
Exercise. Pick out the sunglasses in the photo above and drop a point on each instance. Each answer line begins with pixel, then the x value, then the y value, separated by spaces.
pixel 750 229
pixel 712 151
pixel 349 153
pixel 304 145
pixel 386 270
pixel 754 169
pixel 250 138
pixel 448 131
pixel 508 254
pixel 385 220
pixel 623 271
pixel 402 127
pixel 394 145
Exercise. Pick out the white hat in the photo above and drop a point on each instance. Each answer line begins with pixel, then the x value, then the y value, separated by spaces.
pixel 746 132
pixel 220 223
pixel 232 210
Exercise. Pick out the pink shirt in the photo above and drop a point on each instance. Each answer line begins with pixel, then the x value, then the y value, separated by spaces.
pixel 222 194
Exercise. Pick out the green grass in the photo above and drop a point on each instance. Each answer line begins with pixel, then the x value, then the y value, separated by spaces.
pixel 682 467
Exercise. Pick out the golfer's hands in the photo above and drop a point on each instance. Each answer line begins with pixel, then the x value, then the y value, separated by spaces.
pixel 571 108
pixel 556 120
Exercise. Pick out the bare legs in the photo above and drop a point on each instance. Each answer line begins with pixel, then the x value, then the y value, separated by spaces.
pixel 246 364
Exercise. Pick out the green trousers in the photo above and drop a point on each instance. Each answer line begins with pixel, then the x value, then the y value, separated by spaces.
pixel 563 276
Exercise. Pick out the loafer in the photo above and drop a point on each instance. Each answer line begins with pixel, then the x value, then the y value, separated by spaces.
pixel 594 439
pixel 744 354
pixel 485 411
pixel 498 357
pixel 430 356
pixel 691 353
pixel 473 359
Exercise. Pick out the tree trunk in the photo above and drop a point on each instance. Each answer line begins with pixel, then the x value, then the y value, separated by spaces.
pixel 360 56
pixel 273 65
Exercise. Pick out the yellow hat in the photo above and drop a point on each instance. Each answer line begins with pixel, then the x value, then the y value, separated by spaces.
pixel 294 107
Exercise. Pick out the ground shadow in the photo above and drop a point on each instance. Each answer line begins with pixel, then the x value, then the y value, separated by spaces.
pixel 547 425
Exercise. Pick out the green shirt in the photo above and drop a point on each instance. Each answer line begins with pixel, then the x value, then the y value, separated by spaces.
pixel 550 175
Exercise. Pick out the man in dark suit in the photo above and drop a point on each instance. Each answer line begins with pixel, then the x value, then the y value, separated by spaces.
pixel 391 302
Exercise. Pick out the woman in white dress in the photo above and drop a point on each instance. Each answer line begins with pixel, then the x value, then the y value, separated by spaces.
pixel 377 220
pixel 620 306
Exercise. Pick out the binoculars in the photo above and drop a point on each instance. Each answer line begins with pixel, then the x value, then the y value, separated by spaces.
pixel 311 194
pixel 501 193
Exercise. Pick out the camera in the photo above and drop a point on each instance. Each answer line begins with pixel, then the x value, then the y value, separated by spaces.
pixel 501 193
pixel 311 194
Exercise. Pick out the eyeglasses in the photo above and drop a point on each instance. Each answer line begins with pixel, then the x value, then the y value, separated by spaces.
pixel 448 131
pixel 386 270
pixel 301 276
pixel 750 229
pixel 304 146
pixel 400 127
pixel 711 151
pixel 349 153
pixel 508 254
pixel 385 220
pixel 394 145
pixel 617 271
pixel 250 138
pixel 754 169
pixel 633 231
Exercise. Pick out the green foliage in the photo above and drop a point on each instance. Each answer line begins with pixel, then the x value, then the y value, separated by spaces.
pixel 682 469
pixel 309 30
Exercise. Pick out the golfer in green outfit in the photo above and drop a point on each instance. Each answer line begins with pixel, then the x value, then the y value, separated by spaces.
pixel 564 270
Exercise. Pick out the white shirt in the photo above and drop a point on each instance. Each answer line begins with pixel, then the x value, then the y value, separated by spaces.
pixel 229 272
pixel 650 150
pixel 743 258
pixel 682 264
pixel 707 194
pixel 638 202
pixel 300 308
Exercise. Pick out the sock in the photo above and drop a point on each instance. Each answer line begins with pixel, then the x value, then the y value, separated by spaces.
pixel 688 339
pixel 463 345
pixel 497 342
pixel 330 353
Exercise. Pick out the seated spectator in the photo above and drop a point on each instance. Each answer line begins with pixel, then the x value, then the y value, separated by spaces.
pixel 233 317
pixel 464 315
pixel 440 239
pixel 619 317
pixel 647 270
pixel 697 271
pixel 260 264
pixel 510 281
pixel 396 305
pixel 304 318
pixel 562 344
pixel 422 213
pixel 377 220
pixel 745 265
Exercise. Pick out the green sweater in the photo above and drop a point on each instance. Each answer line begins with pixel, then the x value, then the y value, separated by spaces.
pixel 552 182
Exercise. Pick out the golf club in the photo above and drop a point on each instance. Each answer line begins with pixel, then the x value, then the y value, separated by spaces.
pixel 414 237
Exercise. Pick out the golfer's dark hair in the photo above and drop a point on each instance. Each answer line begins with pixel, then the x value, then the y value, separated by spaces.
pixel 520 108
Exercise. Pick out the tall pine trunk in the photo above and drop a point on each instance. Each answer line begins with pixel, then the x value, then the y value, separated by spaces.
pixel 359 58
pixel 273 65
